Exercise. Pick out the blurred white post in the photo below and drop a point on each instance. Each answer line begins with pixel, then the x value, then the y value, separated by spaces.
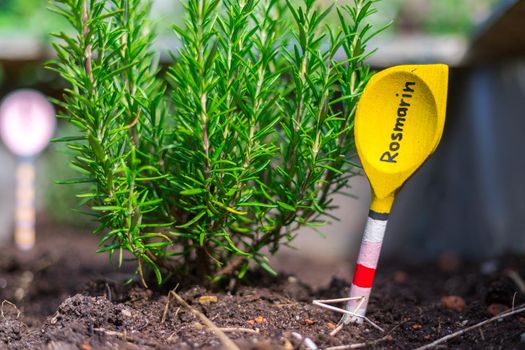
pixel 27 122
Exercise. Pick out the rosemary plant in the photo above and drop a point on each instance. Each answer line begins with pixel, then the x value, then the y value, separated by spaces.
pixel 208 166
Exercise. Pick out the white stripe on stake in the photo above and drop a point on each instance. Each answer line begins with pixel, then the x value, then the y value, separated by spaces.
pixel 365 269
pixel 374 230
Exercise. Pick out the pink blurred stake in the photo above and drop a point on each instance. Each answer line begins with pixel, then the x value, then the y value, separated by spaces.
pixel 25 206
pixel 27 122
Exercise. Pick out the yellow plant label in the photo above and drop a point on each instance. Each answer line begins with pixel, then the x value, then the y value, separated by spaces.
pixel 399 122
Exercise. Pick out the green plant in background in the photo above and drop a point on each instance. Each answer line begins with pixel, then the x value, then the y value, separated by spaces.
pixel 456 17
pixel 59 200
pixel 437 17
pixel 27 19
pixel 240 143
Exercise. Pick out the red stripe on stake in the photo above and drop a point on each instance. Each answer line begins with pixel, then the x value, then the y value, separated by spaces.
pixel 364 276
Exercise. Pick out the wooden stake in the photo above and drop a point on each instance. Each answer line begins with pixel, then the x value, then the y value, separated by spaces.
pixel 25 205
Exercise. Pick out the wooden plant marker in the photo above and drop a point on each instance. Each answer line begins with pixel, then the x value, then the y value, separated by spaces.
pixel 398 125
pixel 27 122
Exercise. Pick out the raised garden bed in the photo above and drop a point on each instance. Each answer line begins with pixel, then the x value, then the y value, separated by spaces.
pixel 69 298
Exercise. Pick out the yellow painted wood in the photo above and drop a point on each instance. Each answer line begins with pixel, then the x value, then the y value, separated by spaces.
pixel 398 125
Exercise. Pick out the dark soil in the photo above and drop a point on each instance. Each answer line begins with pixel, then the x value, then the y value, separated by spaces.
pixel 68 298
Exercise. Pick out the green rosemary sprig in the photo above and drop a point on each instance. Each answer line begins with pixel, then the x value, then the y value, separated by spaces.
pixel 245 144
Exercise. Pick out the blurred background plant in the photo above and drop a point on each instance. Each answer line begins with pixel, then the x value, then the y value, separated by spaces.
pixel 436 17
pixel 427 16
pixel 27 17
pixel 61 203
pixel 25 27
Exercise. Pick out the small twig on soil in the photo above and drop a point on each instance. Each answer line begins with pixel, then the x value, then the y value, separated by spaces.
pixel 387 337
pixel 477 325
pixel 141 273
pixel 54 319
pixel 325 304
pixel 516 278
pixel 342 324
pixel 122 335
pixel 172 336
pixel 226 342
pixel 337 329
pixel 238 329
pixel 482 334
pixel 230 267
pixel 108 291
pixel 285 305
pixel 11 304
pixel 167 307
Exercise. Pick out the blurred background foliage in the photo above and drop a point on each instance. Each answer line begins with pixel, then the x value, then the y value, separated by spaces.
pixel 436 17
pixel 59 200
pixel 25 27
pixel 27 17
